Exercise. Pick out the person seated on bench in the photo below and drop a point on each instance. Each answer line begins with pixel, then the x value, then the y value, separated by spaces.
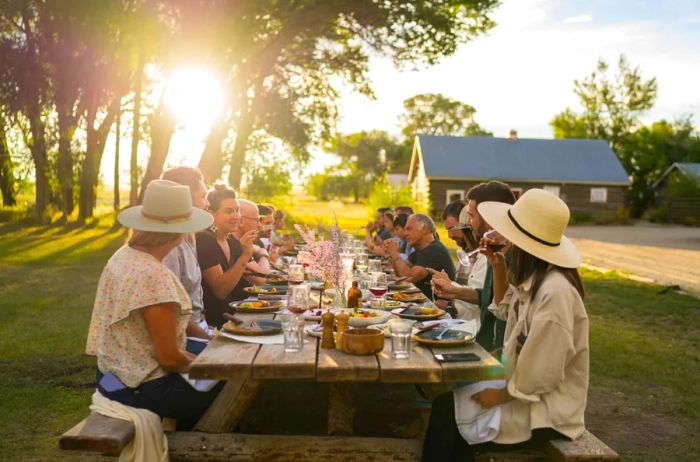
pixel 141 311
pixel 546 349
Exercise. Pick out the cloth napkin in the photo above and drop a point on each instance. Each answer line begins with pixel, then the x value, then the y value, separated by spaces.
pixel 149 443
pixel 476 424
pixel 277 339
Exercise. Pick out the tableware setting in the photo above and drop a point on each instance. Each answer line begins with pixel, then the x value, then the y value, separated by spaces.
pixel 419 313
pixel 362 341
pixel 265 290
pixel 257 306
pixel 407 297
pixel 253 328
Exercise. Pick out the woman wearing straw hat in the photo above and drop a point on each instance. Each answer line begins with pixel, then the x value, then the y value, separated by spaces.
pixel 546 349
pixel 141 311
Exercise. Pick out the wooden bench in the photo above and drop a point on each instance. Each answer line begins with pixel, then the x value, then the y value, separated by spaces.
pixel 109 436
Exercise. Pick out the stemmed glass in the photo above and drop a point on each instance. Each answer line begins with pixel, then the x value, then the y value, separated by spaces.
pixel 494 241
pixel 375 266
pixel 296 275
pixel 298 298
pixel 378 286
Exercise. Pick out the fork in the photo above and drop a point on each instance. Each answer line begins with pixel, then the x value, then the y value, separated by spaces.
pixel 439 336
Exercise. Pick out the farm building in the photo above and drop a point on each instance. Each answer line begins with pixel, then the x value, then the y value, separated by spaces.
pixel 586 174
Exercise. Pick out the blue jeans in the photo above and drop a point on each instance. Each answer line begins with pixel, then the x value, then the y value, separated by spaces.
pixel 169 396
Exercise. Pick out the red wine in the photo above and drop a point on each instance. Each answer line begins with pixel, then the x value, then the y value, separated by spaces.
pixel 296 309
pixel 378 291
pixel 295 283
pixel 495 247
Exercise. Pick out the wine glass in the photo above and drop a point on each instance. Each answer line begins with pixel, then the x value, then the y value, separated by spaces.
pixel 375 266
pixel 298 298
pixel 378 287
pixel 296 275
pixel 494 241
pixel 361 262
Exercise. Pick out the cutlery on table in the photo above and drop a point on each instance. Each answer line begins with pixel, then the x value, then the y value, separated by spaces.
pixel 439 336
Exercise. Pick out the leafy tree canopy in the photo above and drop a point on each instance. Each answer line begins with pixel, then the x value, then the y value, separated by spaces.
pixel 435 114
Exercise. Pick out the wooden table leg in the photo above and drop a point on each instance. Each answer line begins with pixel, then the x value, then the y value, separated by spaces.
pixel 341 409
pixel 229 406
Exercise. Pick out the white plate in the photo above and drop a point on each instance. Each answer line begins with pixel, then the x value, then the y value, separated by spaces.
pixel 382 317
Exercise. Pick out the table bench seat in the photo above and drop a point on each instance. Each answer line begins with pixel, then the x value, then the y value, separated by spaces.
pixel 98 433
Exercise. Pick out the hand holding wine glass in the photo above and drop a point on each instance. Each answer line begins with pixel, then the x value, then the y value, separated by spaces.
pixel 493 245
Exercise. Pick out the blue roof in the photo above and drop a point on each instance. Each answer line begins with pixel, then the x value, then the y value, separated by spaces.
pixel 558 160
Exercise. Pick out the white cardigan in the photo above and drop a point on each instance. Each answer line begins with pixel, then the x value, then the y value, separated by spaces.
pixel 548 378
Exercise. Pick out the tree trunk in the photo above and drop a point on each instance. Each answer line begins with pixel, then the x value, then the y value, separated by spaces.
pixel 118 130
pixel 64 167
pixel 7 177
pixel 38 150
pixel 243 132
pixel 162 129
pixel 133 172
pixel 211 163
pixel 89 174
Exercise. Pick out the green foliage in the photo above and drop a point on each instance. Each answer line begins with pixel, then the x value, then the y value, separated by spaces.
pixel 268 181
pixel 332 184
pixel 579 217
pixel 435 114
pixel 382 194
pixel 683 185
pixel 659 214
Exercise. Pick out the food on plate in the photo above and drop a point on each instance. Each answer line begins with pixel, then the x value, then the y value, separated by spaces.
pixel 361 314
pixel 258 304
pixel 262 290
pixel 427 310
pixel 406 296
pixel 392 304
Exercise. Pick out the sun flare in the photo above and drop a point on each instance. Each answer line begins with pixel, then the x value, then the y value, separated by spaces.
pixel 194 97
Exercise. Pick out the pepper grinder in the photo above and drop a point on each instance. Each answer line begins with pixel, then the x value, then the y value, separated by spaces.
pixel 342 318
pixel 327 340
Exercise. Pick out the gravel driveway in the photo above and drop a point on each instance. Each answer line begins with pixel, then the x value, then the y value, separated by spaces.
pixel 667 254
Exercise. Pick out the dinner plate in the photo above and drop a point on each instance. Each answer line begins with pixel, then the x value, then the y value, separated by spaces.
pixel 450 337
pixel 393 304
pixel 259 327
pixel 376 317
pixel 403 285
pixel 314 330
pixel 412 312
pixel 244 306
pixel 407 297
pixel 266 290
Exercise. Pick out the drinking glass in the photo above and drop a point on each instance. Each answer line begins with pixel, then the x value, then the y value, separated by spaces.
pixel 494 241
pixel 298 298
pixel 361 262
pixel 375 266
pixel 401 330
pixel 348 261
pixel 293 332
pixel 378 286
pixel 296 274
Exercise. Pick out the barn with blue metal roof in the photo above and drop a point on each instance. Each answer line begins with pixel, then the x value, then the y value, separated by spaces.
pixel 586 174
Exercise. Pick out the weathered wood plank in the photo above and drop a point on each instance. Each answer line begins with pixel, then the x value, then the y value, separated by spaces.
pixel 489 368
pixel 229 406
pixel 188 446
pixel 335 366
pixel 341 409
pixel 100 434
pixel 420 368
pixel 587 448
pixel 224 359
pixel 272 362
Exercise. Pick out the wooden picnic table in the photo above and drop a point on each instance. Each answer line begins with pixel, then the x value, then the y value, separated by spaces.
pixel 246 366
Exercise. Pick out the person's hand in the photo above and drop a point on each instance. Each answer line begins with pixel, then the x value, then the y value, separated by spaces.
pixel 391 247
pixel 370 227
pixel 495 259
pixel 379 251
pixel 491 397
pixel 247 243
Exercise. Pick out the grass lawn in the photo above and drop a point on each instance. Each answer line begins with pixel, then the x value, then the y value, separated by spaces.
pixel 645 346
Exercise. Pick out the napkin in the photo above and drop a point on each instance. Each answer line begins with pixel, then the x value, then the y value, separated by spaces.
pixel 277 339
pixel 476 424
pixel 200 385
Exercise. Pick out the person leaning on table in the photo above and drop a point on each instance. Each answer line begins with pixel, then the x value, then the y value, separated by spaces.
pixel 141 311
pixel 546 350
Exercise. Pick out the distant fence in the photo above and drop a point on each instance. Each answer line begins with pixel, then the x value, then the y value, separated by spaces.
pixel 684 210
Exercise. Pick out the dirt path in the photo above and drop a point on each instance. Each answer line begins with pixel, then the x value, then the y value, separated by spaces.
pixel 668 255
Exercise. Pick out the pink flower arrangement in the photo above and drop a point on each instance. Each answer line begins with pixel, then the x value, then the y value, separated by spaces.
pixel 323 255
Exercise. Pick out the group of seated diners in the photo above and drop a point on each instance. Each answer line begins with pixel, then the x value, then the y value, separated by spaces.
pixel 191 252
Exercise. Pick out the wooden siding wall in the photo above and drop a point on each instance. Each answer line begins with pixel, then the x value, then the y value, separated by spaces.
pixel 577 197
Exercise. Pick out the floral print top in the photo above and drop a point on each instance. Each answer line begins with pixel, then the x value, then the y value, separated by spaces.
pixel 118 334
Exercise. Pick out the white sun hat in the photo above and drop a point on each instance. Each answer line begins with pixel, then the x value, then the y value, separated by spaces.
pixel 536 224
pixel 167 208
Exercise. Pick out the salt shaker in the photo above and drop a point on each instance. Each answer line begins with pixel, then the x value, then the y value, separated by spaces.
pixel 342 318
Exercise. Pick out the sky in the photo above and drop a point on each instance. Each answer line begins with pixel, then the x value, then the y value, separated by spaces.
pixel 521 73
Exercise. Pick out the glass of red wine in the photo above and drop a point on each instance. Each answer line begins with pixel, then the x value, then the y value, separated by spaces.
pixel 378 286
pixel 298 298
pixel 494 241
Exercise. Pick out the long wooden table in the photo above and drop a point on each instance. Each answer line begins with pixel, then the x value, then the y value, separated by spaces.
pixel 246 366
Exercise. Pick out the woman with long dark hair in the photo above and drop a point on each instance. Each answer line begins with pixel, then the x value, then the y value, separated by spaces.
pixel 545 353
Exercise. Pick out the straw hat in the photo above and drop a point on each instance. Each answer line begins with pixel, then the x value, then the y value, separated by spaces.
pixel 536 224
pixel 167 208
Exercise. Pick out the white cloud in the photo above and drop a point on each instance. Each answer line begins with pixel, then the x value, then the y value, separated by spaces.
pixel 579 18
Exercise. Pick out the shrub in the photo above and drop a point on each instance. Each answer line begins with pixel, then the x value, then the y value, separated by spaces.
pixel 659 214
pixel 579 217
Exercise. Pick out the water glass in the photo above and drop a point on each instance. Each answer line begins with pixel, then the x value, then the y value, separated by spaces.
pixel 401 330
pixel 293 332
pixel 375 266
pixel 296 274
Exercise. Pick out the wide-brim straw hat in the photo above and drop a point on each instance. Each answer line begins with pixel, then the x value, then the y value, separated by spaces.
pixel 166 208
pixel 535 223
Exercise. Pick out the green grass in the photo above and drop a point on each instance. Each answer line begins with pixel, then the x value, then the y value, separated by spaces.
pixel 645 347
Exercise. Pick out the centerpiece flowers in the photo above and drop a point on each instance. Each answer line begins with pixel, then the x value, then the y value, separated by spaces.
pixel 322 257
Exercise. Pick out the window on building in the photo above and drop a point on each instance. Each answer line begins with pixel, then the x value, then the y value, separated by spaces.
pixel 454 195
pixel 599 194
pixel 553 189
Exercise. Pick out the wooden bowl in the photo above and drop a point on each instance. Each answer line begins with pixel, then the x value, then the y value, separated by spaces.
pixel 362 341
